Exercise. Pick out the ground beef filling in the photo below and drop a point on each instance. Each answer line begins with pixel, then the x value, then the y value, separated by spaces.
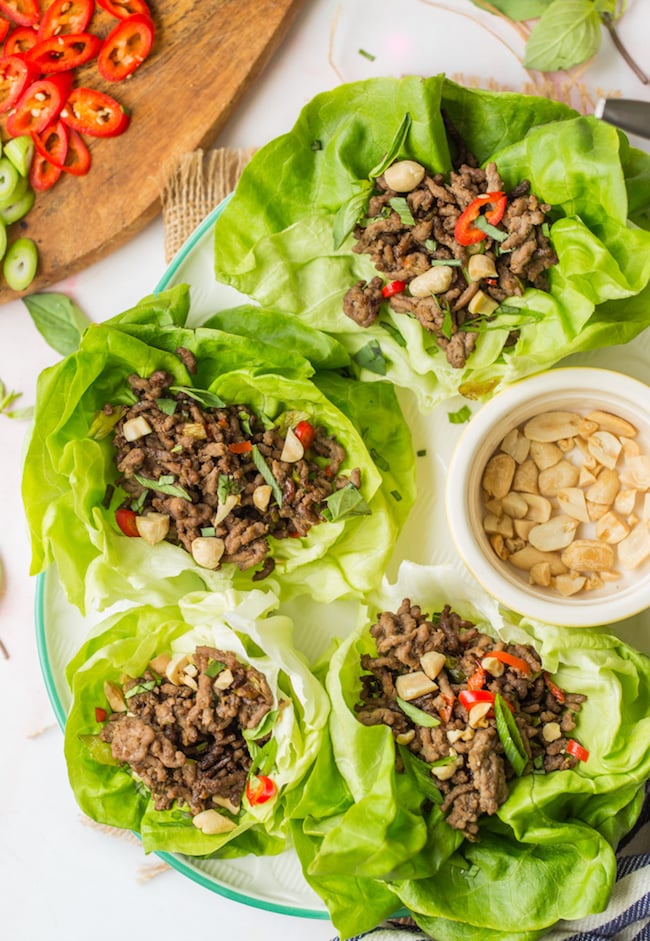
pixel 475 781
pixel 401 250
pixel 203 454
pixel 185 743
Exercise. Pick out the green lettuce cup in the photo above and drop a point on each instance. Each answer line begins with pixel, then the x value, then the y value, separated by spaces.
pixel 292 246
pixel 390 816
pixel 190 724
pixel 72 487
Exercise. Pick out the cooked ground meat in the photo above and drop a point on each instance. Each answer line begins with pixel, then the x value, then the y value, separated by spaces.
pixel 185 742
pixel 402 249
pixel 463 748
pixel 194 457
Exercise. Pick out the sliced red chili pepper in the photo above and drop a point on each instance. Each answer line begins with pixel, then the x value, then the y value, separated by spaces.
pixel 100 714
pixel 125 519
pixel 123 8
pixel 259 789
pixel 20 41
pixel 39 105
pixel 60 53
pixel 77 159
pixel 555 690
pixel 470 697
pixel 42 173
pixel 4 28
pixel 468 234
pixel 576 750
pixel 477 679
pixel 240 447
pixel 92 112
pixel 305 433
pixel 52 143
pixel 15 75
pixel 66 16
pixel 393 287
pixel 126 47
pixel 23 12
pixel 517 662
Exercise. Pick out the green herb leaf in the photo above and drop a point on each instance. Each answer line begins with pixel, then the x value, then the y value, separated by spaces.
pixel 140 688
pixel 419 716
pixel 394 147
pixel 420 773
pixel 380 461
pixel 58 319
pixel 202 396
pixel 447 323
pixel 462 415
pixel 497 234
pixel 345 503
pixel 214 668
pixel 567 33
pixel 225 486
pixel 102 424
pixel 394 332
pixel 403 210
pixel 264 469
pixel 208 532
pixel 510 736
pixel 168 406
pixel 352 210
pixel 367 55
pixel 172 490
pixel 371 357
pixel 263 728
pixel 517 10
pixel 263 759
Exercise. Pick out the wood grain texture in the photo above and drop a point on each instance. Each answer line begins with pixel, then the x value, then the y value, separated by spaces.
pixel 207 53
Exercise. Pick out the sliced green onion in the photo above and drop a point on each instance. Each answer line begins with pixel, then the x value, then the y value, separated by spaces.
pixel 419 716
pixel 498 234
pixel 265 471
pixel 510 736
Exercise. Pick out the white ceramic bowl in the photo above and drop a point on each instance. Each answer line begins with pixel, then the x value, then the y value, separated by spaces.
pixel 567 389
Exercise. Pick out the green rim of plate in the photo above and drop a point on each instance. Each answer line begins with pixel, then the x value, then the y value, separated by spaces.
pixel 175 862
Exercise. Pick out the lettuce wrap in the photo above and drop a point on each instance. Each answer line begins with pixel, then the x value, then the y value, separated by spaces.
pixel 277 239
pixel 289 736
pixel 363 829
pixel 69 461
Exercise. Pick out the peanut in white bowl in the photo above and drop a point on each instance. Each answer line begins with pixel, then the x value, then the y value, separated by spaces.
pixel 614 535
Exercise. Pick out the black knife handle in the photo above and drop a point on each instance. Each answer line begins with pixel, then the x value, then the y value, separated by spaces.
pixel 627 113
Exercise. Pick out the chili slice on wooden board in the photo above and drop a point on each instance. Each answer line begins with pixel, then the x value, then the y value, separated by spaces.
pixel 77 159
pixel 15 75
pixel 20 41
pixel 42 173
pixel 126 47
pixel 52 143
pixel 60 53
pixel 23 12
pixel 124 8
pixel 39 105
pixel 95 113
pixel 66 16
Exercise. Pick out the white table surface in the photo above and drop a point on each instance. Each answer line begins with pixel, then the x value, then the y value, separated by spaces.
pixel 60 878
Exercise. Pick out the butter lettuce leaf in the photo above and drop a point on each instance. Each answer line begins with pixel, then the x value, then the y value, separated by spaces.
pixel 246 624
pixel 551 845
pixel 277 240
pixel 67 470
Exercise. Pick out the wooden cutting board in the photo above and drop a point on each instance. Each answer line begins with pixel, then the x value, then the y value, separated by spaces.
pixel 207 53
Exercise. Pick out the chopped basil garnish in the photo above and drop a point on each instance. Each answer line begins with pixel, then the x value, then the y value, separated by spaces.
pixel 350 212
pixel 168 406
pixel 264 469
pixel 225 486
pixel 394 332
pixel 140 688
pixel 394 148
pixel 497 234
pixel 462 415
pixel 380 461
pixel 510 736
pixel 371 357
pixel 344 503
pixel 396 495
pixel 202 396
pixel 208 531
pixel 419 716
pixel 447 323
pixel 367 55
pixel 403 210
pixel 167 487
pixel 214 668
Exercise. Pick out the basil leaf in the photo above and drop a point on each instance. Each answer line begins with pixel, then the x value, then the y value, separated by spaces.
pixel 202 396
pixel 420 773
pixel 371 357
pixel 394 147
pixel 172 490
pixel 58 319
pixel 265 471
pixel 403 210
pixel 263 759
pixel 447 323
pixel 510 736
pixel 225 486
pixel 345 503
pixel 567 33
pixel 462 415
pixel 392 330
pixel 419 716
pixel 214 668
pixel 351 212
pixel 140 688
pixel 168 406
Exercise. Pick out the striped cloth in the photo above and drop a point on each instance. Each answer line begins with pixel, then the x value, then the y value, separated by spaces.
pixel 627 917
